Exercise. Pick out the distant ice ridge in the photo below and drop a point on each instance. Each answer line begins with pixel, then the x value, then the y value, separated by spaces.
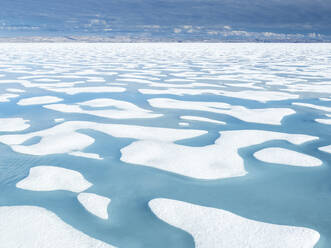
pixel 219 160
pixel 48 178
pixel 36 227
pixel 215 228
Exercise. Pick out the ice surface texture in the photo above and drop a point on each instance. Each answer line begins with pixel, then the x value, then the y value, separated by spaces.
pixel 238 135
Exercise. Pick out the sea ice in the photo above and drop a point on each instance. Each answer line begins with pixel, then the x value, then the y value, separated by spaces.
pixel 220 160
pixel 325 148
pixel 63 138
pixel 313 106
pixel 15 90
pixel 47 178
pixel 203 119
pixel 6 97
pixel 36 227
pixel 38 100
pixel 86 155
pixel 95 204
pixel 264 115
pixel 13 124
pixel 118 109
pixel 214 228
pixel 79 90
pixel 324 121
pixel 288 157
pixel 259 95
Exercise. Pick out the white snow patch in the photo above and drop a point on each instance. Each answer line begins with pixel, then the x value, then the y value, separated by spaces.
pixel 14 90
pixel 313 106
pixel 265 115
pixel 325 148
pixel 220 160
pixel 214 228
pixel 324 121
pixel 47 178
pixel 86 155
pixel 13 124
pixel 203 119
pixel 7 96
pixel 119 109
pixel 64 137
pixel 79 90
pixel 288 157
pixel 36 227
pixel 39 100
pixel 261 96
pixel 95 204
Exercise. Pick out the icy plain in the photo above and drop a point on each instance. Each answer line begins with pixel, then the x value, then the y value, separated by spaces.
pixel 165 145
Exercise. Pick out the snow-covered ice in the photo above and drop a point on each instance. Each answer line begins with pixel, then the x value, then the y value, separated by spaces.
pixel 47 178
pixel 214 228
pixel 64 137
pixel 95 204
pixel 265 115
pixel 202 119
pixel 325 148
pixel 285 156
pixel 219 160
pixel 117 109
pixel 219 125
pixel 36 227
pixel 13 124
pixel 38 100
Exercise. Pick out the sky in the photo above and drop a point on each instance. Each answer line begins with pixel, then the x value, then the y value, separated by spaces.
pixel 184 19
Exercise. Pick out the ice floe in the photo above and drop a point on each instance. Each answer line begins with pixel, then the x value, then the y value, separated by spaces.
pixel 58 119
pixel 15 90
pixel 279 155
pixel 47 178
pixel 203 119
pixel 36 227
pixel 220 160
pixel 313 106
pixel 79 90
pixel 324 121
pixel 64 137
pixel 264 115
pixel 13 124
pixel 86 155
pixel 38 100
pixel 261 96
pixel 214 228
pixel 95 204
pixel 6 97
pixel 325 148
pixel 117 109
